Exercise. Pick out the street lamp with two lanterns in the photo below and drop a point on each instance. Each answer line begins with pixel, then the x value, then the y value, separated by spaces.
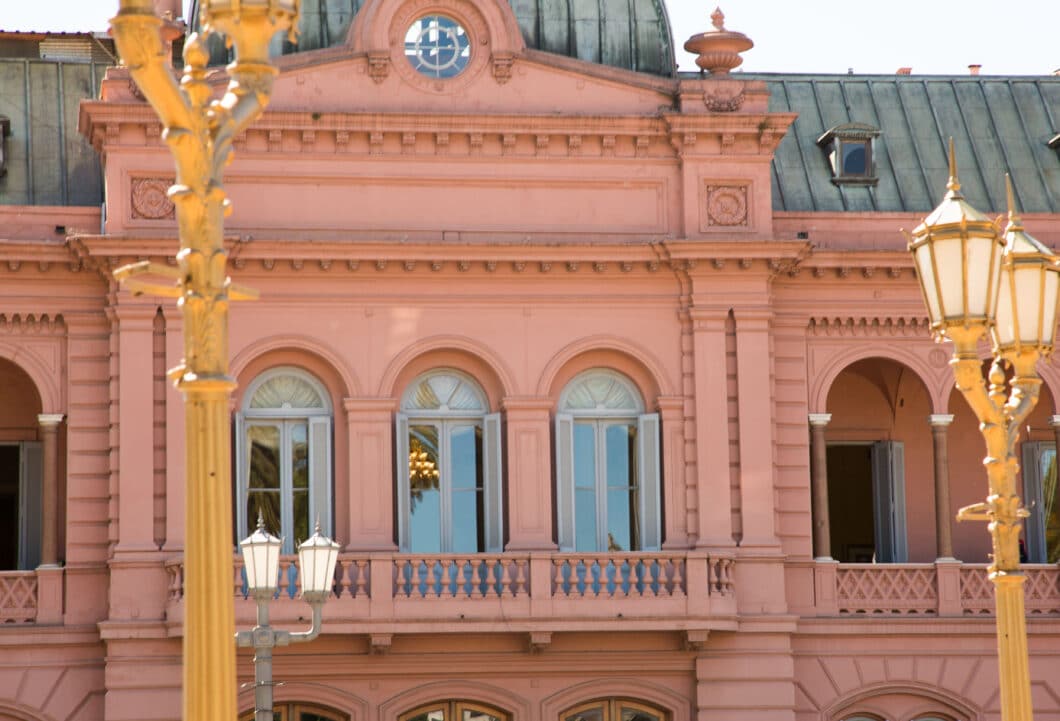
pixel 261 561
pixel 976 279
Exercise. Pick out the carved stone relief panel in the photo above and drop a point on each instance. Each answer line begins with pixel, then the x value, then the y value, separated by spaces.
pixel 725 206
pixel 149 200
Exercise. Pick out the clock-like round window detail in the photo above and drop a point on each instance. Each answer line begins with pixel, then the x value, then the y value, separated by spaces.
pixel 438 46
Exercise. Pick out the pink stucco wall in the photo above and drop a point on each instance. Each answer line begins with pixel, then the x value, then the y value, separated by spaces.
pixel 520 232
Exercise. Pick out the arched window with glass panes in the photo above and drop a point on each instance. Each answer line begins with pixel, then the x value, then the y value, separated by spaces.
pixel 283 456
pixel 448 467
pixel 614 709
pixel 607 466
pixel 454 711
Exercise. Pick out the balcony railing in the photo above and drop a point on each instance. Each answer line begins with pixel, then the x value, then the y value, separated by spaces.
pixel 382 589
pixel 939 589
pixel 31 596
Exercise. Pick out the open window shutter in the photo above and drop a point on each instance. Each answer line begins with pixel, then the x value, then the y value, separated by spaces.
pixel 241 449
pixel 648 473
pixel 565 481
pixel 491 475
pixel 401 463
pixel 1033 498
pixel 31 478
pixel 320 473
pixel 888 490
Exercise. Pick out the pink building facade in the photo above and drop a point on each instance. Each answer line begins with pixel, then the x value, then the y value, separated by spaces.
pixel 618 396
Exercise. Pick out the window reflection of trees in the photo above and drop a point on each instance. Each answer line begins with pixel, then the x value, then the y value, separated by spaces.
pixel 455 711
pixel 614 709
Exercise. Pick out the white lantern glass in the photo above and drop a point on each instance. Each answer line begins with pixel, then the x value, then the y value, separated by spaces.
pixel 949 267
pixel 261 559
pixel 1027 305
pixel 316 562
pixel 925 270
pixel 1051 300
pixel 984 260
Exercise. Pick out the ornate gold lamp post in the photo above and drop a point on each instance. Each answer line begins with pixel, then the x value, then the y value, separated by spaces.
pixel 977 278
pixel 199 131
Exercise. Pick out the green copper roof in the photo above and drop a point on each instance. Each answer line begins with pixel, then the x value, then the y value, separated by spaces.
pixel 629 34
pixel 999 125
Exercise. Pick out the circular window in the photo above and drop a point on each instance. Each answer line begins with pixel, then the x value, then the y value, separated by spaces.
pixel 437 46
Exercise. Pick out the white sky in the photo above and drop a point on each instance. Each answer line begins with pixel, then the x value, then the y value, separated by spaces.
pixel 1011 37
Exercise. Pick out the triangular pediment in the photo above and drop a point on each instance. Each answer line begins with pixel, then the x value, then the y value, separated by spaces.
pixel 339 80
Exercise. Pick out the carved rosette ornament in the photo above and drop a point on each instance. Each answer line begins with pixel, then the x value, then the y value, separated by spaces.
pixel 150 200
pixel 727 205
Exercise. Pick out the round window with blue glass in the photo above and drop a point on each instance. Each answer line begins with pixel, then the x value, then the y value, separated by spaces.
pixel 438 47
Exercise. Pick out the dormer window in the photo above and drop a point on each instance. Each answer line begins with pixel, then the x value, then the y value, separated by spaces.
pixel 849 148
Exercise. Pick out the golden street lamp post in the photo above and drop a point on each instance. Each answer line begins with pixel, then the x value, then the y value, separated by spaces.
pixel 199 131
pixel 977 278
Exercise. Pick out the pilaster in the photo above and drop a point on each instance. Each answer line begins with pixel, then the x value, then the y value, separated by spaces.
pixel 174 329
pixel 714 496
pixel 135 427
pixel 529 502
pixel 370 448
pixel 755 402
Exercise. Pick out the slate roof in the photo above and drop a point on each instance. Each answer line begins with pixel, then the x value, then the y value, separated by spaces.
pixel 999 124
pixel 629 34
pixel 48 162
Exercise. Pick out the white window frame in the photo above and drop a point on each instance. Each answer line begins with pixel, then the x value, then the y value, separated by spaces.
pixel 1033 499
pixel 446 420
pixel 649 472
pixel 318 423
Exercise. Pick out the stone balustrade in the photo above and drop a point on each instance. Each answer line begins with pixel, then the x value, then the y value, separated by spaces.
pixel 392 588
pixel 31 596
pixel 945 588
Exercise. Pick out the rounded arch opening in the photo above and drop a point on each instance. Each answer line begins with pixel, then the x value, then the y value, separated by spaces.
pixel 473 362
pixel 647 377
pixel 908 701
pixel 880 464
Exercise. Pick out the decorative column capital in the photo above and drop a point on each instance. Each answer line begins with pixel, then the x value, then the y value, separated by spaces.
pixel 1054 421
pixel 940 419
pixel 50 420
pixel 820 419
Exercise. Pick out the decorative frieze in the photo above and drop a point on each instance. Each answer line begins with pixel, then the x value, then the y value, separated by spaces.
pixel 865 326
pixel 30 324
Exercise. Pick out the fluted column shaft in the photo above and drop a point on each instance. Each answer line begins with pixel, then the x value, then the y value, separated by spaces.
pixel 943 533
pixel 822 539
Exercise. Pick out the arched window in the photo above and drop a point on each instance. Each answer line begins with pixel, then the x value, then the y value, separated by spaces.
pixel 454 711
pixel 607 463
pixel 299 712
pixel 283 456
pixel 449 467
pixel 614 709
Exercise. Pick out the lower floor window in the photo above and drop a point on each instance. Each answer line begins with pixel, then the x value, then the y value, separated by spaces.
pixel 455 711
pixel 299 712
pixel 614 710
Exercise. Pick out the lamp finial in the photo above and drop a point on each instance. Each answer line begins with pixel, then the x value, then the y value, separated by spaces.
pixel 953 185
pixel 1014 220
pixel 261 521
pixel 316 528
